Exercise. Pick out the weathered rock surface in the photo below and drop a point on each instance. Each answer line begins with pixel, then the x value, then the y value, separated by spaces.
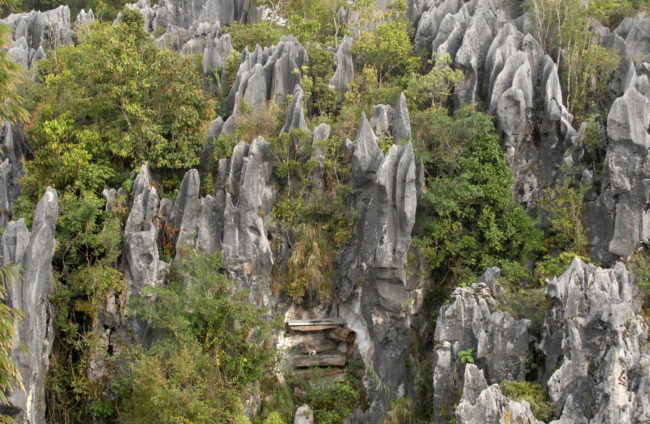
pixel 142 263
pixel 507 69
pixel 192 15
pixel 269 74
pixel 619 221
pixel 11 169
pixel 344 73
pixel 32 253
pixel 373 295
pixel 481 404
pixel 499 345
pixel 295 114
pixel 595 333
pixel 304 415
pixel 35 31
pixel 216 53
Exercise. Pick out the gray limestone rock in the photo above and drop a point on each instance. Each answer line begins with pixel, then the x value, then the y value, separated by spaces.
pixel 190 14
pixel 401 121
pixel 32 252
pixel 195 218
pixel 11 169
pixel 344 73
pixel 618 221
pixel 303 415
pixel 382 117
pixel 367 155
pixel 143 265
pixel 373 295
pixel 321 133
pixel 595 333
pixel 35 31
pixel 269 74
pixel 247 200
pixel 481 404
pixel 295 114
pixel 499 343
pixel 216 53
pixel 84 18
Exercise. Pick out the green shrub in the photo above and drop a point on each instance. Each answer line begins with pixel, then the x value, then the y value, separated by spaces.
pixel 214 347
pixel 532 393
pixel 467 218
pixel 332 403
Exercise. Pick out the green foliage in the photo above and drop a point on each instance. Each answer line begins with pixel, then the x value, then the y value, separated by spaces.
pixel 261 33
pixel 534 394
pixel 214 346
pixel 11 107
pixel 566 235
pixel 468 220
pixel 332 404
pixel 639 265
pixel 274 418
pixel 87 274
pixel 9 374
pixel 321 100
pixel 524 299
pixel 466 356
pixel 387 49
pixel 104 107
pixel 433 89
pixel 566 32
pixel 314 221
pixel 402 412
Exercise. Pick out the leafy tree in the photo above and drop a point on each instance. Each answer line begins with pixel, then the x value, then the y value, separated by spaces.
pixel 110 103
pixel 468 219
pixel 388 49
pixel 214 345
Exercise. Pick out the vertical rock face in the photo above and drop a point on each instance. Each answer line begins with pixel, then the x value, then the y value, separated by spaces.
pixel 373 295
pixel 11 170
pixel 32 252
pixel 269 74
pixel 344 73
pixel 295 114
pixel 619 220
pixel 481 404
pixel 33 32
pixel 190 14
pixel 507 69
pixel 142 262
pixel 248 200
pixel 499 345
pixel 595 333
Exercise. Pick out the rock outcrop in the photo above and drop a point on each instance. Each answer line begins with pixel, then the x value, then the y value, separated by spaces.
pixel 295 115
pixel 35 31
pixel 481 404
pixel 32 253
pixel 142 263
pixel 507 69
pixel 268 74
pixel 595 333
pixel 498 343
pixel 344 73
pixel 373 296
pixel 11 169
pixel 191 17
pixel 618 220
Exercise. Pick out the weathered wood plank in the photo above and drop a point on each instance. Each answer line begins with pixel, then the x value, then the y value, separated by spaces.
pixel 334 359
pixel 314 328
pixel 313 322
pixel 332 375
